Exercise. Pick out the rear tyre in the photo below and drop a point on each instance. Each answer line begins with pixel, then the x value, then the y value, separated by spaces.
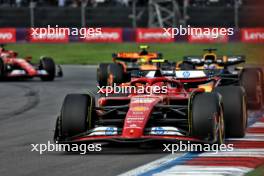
pixel 235 110
pixel 187 66
pixel 252 81
pixel 207 118
pixel 48 64
pixel 115 74
pixel 76 115
pixel 102 74
pixel 2 68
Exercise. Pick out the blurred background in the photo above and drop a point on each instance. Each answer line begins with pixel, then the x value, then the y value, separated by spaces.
pixel 131 13
pixel 126 23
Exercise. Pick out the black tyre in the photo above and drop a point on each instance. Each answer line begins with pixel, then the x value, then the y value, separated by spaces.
pixel 76 115
pixel 207 117
pixel 235 110
pixel 187 66
pixel 49 65
pixel 115 74
pixel 252 81
pixel 102 74
pixel 2 68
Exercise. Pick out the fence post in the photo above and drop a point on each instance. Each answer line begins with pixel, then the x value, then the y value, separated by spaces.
pixel 32 17
pixel 134 14
pixel 83 18
pixel 236 12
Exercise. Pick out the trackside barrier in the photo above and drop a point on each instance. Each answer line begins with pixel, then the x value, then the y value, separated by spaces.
pixel 139 35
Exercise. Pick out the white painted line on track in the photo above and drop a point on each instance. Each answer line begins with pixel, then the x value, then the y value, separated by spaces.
pixel 152 165
pixel 184 170
pixel 249 137
pixel 254 135
pixel 236 153
pixel 258 124
pixel 203 170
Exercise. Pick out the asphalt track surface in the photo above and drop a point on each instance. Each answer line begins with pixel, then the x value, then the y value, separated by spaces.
pixel 28 110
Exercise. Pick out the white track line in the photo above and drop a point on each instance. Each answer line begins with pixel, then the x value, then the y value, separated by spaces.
pixel 152 165
pixel 258 125
pixel 237 153
pixel 249 137
pixel 254 135
pixel 184 170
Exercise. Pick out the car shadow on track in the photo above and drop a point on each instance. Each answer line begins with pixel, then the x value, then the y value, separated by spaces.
pixel 124 149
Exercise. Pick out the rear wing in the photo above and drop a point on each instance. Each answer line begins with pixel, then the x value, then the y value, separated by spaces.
pixel 231 60
pixel 221 61
pixel 194 60
pixel 133 57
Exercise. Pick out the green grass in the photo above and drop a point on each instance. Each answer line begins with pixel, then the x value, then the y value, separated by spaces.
pixel 84 53
pixel 257 172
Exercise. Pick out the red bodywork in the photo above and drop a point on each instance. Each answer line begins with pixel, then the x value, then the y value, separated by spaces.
pixel 23 64
pixel 10 58
pixel 141 107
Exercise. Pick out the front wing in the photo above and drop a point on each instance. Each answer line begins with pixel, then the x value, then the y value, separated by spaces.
pixel 118 138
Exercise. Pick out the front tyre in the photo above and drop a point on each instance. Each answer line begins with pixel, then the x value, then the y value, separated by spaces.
pixel 102 74
pixel 235 110
pixel 207 118
pixel 2 68
pixel 49 66
pixel 76 116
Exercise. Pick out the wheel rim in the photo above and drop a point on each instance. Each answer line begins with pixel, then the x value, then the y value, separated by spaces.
pixel 220 133
pixel 110 79
pixel 244 113
pixel 222 128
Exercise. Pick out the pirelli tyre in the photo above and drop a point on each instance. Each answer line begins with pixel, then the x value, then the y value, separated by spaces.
pixel 49 66
pixel 116 74
pixel 235 110
pixel 76 116
pixel 102 74
pixel 207 117
pixel 252 81
pixel 2 68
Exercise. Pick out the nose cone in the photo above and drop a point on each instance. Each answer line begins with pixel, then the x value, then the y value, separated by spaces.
pixel 137 116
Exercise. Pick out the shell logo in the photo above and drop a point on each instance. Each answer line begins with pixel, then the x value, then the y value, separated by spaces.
pixel 140 108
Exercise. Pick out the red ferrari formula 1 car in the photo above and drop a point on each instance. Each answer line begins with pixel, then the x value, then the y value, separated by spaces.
pixel 12 66
pixel 185 111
